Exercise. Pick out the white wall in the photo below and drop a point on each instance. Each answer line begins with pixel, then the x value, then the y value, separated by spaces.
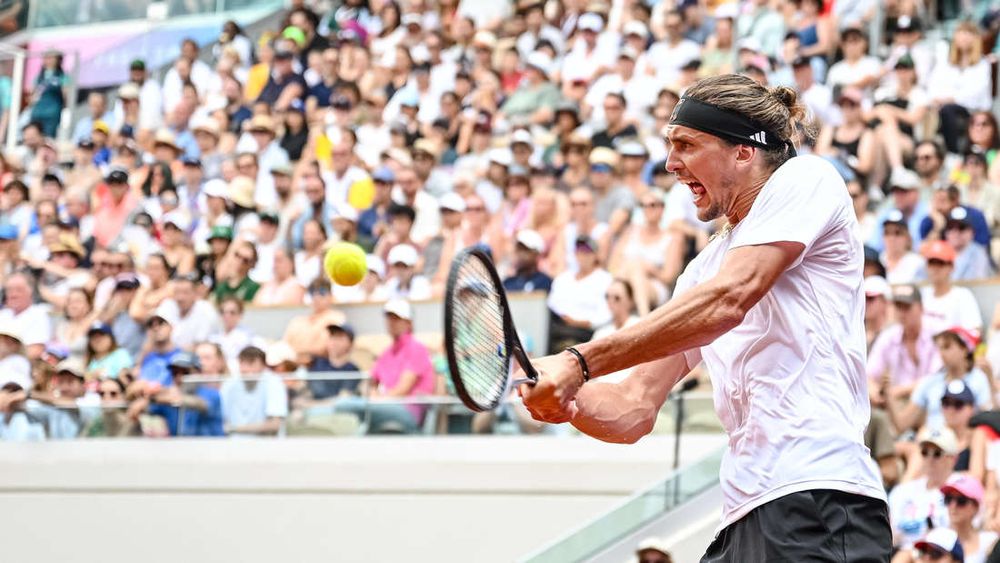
pixel 352 499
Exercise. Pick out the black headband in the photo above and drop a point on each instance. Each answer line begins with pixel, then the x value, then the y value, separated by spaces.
pixel 726 124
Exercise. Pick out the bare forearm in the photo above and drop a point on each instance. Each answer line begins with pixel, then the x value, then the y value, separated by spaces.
pixel 268 427
pixel 694 319
pixel 626 411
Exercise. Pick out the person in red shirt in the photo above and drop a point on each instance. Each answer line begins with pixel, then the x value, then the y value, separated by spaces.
pixel 114 205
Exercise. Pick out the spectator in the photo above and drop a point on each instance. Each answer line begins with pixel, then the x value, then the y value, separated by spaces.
pixel 254 401
pixel 850 143
pixel 302 330
pixel 15 424
pixel 621 304
pixel 452 208
pixel 237 283
pixel 410 192
pixel 158 288
pixel 157 352
pixel 104 358
pixel 403 370
pixel 960 84
pixel 113 422
pixel 648 255
pixel 918 505
pixel 945 304
pixel 958 405
pixel 283 84
pixel 194 319
pixel 944 201
pixel 309 259
pixel 902 265
pixel 938 544
pixel 404 282
pixel 613 202
pixel 528 248
pixel 971 260
pixel 956 347
pixel 903 353
pixel 115 203
pixel 49 95
pixel 200 404
pixel 234 336
pixel 339 346
pixel 576 300
pixel 878 294
pixel 32 320
pixel 284 288
pixel 616 126
pixel 929 165
pixel 963 495
pixel 536 96
pixel 652 550
pixel 72 327
pixel 59 408
pixel 129 332
pixel 14 366
pixel 97 108
pixel 373 222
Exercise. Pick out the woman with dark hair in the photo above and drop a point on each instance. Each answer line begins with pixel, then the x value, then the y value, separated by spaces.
pixel 984 135
pixel 296 132
pixel 233 36
pixel 158 177
pixel 105 359
pixel 15 207
pixel 72 328
pixel 49 96
pixel 391 32
pixel 150 295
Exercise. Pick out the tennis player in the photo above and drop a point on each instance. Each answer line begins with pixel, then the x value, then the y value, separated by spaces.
pixel 774 306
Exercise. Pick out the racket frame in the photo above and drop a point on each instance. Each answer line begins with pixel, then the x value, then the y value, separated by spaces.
pixel 512 341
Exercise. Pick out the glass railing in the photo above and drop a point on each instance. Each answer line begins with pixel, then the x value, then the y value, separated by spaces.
pixel 54 13
pixel 634 512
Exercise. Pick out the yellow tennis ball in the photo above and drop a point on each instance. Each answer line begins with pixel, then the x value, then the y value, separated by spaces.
pixel 345 263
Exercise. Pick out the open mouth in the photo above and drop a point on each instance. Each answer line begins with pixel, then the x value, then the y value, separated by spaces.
pixel 697 190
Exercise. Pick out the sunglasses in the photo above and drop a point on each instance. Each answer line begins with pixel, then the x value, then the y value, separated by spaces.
pixel 937 262
pixel 934 453
pixel 110 394
pixel 952 404
pixel 959 500
pixel 895 232
pixel 475 208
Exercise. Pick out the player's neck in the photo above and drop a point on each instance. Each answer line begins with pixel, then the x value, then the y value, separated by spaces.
pixel 744 201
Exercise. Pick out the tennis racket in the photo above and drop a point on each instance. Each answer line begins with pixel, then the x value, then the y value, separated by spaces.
pixel 479 333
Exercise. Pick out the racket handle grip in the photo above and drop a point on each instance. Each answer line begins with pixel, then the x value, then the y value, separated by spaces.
pixel 518 382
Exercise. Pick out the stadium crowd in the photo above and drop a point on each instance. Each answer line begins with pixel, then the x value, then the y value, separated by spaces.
pixel 533 129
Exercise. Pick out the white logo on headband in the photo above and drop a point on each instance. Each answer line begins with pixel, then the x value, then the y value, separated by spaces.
pixel 760 137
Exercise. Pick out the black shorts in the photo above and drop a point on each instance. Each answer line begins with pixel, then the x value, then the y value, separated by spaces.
pixel 808 526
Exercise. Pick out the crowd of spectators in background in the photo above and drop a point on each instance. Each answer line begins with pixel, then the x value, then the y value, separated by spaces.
pixel 532 129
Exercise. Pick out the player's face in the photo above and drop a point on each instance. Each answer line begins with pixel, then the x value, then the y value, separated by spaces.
pixel 703 163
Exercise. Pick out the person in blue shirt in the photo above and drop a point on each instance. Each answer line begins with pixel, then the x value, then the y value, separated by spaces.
pixel 904 190
pixel 530 246
pixel 339 344
pixel 946 200
pixel 201 404
pixel 158 351
pixel 372 222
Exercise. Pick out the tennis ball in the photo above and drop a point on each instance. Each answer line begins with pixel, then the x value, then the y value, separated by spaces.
pixel 345 263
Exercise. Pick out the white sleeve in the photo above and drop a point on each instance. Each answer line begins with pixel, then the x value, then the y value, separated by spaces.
pixel 968 311
pixel 800 203
pixel 277 398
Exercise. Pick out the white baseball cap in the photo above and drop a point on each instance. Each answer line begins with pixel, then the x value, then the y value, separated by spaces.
pixel 500 156
pixel 400 308
pixel 636 27
pixel 876 285
pixel 375 264
pixel 346 211
pixel 178 219
pixel 521 136
pixel 403 253
pixel 216 188
pixel 591 22
pixel 278 353
pixel 452 202
pixel 531 240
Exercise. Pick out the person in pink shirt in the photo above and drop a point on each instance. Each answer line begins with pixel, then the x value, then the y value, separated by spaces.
pixel 403 370
pixel 902 353
pixel 113 207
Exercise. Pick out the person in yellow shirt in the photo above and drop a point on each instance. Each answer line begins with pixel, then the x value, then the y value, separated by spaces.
pixel 259 73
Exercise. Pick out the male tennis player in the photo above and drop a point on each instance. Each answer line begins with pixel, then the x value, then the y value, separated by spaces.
pixel 774 306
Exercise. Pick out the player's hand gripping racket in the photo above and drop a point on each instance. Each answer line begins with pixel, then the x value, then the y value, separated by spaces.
pixel 479 333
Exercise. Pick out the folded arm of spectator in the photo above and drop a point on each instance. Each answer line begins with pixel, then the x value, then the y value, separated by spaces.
pixel 269 427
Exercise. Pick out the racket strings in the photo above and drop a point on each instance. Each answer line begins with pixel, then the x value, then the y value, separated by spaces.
pixel 480 344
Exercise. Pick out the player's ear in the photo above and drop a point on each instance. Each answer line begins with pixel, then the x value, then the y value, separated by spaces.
pixel 745 154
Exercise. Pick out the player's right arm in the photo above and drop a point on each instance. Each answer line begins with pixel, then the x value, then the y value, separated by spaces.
pixel 625 411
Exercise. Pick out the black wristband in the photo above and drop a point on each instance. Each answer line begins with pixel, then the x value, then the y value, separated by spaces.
pixel 582 362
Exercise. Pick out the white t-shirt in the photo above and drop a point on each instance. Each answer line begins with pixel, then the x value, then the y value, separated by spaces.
pixel 606 330
pixel 844 73
pixel 17 369
pixel 910 505
pixel 33 323
pixel 581 299
pixel 789 382
pixel 201 323
pixel 958 307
